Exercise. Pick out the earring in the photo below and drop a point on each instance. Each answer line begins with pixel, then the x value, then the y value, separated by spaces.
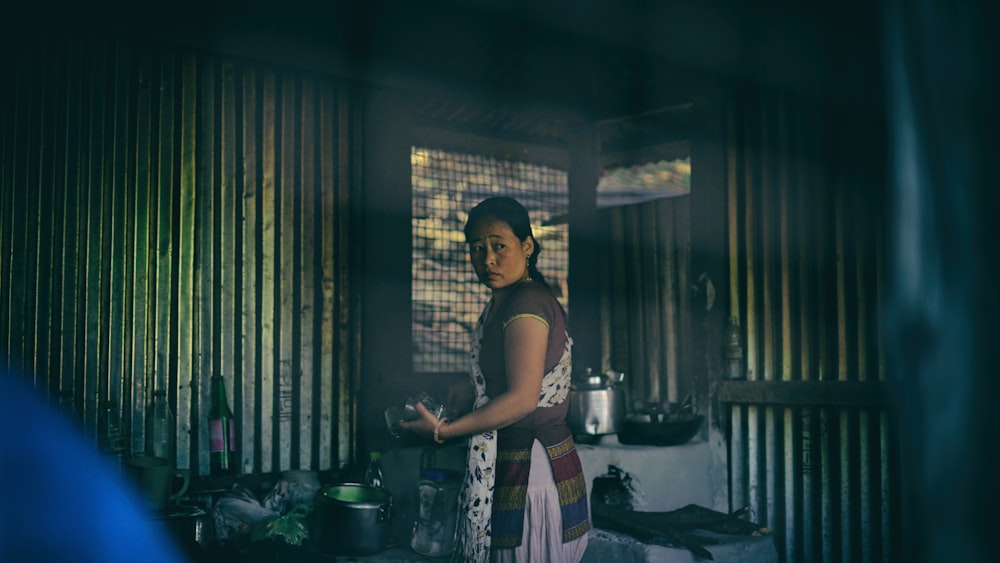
pixel 527 265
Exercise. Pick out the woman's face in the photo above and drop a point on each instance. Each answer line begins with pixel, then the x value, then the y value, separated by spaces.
pixel 499 258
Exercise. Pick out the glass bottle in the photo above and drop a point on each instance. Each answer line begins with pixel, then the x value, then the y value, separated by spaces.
pixel 161 429
pixel 373 473
pixel 113 441
pixel 68 408
pixel 221 430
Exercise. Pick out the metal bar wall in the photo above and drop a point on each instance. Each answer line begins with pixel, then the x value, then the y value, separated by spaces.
pixel 805 254
pixel 166 216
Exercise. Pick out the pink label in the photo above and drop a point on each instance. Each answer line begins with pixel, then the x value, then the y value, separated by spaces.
pixel 216 439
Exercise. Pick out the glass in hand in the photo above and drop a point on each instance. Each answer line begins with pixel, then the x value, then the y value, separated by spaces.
pixel 394 415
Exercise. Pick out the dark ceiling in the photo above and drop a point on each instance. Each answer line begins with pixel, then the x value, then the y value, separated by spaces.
pixel 553 61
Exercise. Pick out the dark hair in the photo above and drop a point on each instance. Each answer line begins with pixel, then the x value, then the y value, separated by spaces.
pixel 510 211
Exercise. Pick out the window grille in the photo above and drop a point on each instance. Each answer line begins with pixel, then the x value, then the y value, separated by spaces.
pixel 447 298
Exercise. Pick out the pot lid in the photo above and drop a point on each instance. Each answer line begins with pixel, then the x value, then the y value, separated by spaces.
pixel 185 511
pixel 591 380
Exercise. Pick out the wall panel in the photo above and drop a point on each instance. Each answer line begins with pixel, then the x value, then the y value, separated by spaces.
pixel 166 215
pixel 805 263
pixel 646 278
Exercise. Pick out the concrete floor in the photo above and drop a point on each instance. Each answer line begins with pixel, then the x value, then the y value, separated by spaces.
pixel 604 546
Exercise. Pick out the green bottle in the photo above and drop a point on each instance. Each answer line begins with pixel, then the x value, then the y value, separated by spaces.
pixel 221 431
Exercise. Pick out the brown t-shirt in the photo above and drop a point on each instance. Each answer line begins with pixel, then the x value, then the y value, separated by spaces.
pixel 527 299
pixel 547 424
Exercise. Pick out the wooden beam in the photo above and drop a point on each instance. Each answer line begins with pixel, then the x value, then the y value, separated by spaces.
pixel 804 393
pixel 585 242
pixel 464 142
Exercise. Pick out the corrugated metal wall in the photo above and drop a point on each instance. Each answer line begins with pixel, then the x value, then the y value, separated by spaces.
pixel 647 279
pixel 166 216
pixel 811 452
pixel 816 462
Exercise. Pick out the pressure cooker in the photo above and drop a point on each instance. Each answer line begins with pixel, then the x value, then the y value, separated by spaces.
pixel 596 405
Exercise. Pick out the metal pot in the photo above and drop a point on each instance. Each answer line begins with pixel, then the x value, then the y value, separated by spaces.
pixel 596 405
pixel 352 519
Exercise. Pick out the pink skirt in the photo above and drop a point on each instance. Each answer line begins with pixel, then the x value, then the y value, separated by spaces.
pixel 542 536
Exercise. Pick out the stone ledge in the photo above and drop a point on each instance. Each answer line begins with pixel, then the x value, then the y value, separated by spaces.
pixel 605 545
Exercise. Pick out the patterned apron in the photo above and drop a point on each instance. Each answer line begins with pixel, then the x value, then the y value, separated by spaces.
pixel 476 499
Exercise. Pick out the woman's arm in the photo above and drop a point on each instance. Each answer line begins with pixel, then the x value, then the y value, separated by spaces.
pixel 525 341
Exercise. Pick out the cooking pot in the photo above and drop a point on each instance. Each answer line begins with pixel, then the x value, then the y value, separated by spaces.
pixel 352 519
pixel 596 405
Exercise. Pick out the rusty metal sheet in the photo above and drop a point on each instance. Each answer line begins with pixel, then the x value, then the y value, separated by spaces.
pixel 249 377
pixel 228 213
pixel 265 428
pixel 309 282
pixel 285 279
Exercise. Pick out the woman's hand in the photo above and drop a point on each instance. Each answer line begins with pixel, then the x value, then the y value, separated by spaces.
pixel 424 424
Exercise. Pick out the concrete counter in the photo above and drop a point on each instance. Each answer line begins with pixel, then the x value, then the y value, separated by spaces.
pixel 665 477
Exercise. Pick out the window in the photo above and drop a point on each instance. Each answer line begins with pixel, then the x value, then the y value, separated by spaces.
pixel 447 298
pixel 628 185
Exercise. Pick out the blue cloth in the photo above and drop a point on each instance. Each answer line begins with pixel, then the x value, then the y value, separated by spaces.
pixel 60 500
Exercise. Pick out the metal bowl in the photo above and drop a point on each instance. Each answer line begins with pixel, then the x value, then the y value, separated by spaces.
pixel 651 430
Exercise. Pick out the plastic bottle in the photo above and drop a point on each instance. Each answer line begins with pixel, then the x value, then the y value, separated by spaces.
pixel 221 431
pixel 373 473
pixel 161 429
pixel 734 350
pixel 437 497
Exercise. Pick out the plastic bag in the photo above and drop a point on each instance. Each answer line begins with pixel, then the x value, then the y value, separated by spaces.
pixel 237 512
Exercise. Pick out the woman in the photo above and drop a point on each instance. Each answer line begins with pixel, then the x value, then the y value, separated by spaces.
pixel 521 447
